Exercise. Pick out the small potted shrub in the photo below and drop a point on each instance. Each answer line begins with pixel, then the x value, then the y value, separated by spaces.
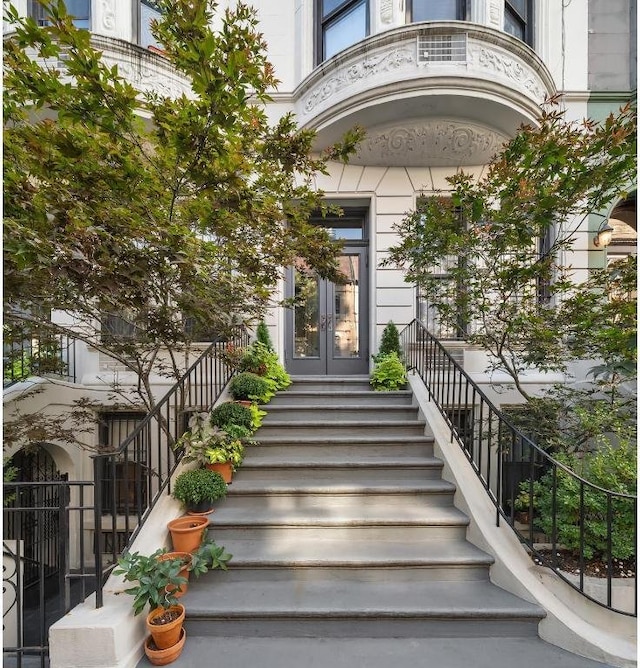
pixel 226 457
pixel 389 373
pixel 258 358
pixel 247 386
pixel 197 489
pixel 234 419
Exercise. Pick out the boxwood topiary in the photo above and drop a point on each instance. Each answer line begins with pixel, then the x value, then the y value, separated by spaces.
pixel 250 386
pixel 199 485
pixel 230 415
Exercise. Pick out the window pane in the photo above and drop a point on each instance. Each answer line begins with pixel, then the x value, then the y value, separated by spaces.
pixel 346 30
pixel 346 314
pixel 79 9
pixel 329 5
pixel 148 14
pixel 306 315
pixel 520 6
pixel 513 25
pixel 435 10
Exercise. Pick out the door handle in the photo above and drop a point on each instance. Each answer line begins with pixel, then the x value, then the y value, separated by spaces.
pixel 330 323
pixel 323 322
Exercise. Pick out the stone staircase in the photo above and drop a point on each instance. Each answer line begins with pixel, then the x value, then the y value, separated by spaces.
pixel 348 550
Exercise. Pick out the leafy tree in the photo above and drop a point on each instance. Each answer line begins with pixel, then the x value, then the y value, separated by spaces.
pixel 168 217
pixel 503 239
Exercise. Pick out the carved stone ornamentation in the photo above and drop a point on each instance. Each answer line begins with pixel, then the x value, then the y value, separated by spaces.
pixel 510 68
pixel 108 14
pixel 437 143
pixel 386 11
pixel 368 67
pixel 494 13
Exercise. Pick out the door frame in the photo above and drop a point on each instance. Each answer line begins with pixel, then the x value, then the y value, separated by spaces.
pixel 327 363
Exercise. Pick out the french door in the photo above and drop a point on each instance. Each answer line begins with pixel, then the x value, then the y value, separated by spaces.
pixel 327 329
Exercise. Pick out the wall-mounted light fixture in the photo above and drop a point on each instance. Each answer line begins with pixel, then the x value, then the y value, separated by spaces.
pixel 603 235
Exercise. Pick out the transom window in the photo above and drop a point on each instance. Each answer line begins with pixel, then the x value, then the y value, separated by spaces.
pixel 518 15
pixel 80 10
pixel 342 23
pixel 436 10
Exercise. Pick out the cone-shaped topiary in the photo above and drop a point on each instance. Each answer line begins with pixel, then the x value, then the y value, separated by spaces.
pixel 263 336
pixel 390 341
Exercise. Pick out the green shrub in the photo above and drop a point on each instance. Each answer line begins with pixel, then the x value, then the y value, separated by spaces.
pixel 610 468
pixel 198 485
pixel 390 342
pixel 260 360
pixel 250 386
pixel 235 419
pixel 231 450
pixel 263 336
pixel 389 373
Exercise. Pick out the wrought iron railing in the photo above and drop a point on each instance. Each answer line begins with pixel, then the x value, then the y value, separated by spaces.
pixel 130 481
pixel 519 475
pixel 44 572
pixel 38 354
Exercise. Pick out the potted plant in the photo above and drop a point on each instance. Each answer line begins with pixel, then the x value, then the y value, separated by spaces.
pixel 262 360
pixel 188 532
pixel 247 386
pixel 225 456
pixel 389 373
pixel 234 419
pixel 157 582
pixel 198 488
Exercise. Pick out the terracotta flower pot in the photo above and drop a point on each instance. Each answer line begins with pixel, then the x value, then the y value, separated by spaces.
pixel 225 469
pixel 161 657
pixel 167 634
pixel 187 532
pixel 184 572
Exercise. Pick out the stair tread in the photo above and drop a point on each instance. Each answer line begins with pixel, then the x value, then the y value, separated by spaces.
pixel 278 482
pixel 286 652
pixel 315 512
pixel 346 440
pixel 328 459
pixel 434 599
pixel 336 551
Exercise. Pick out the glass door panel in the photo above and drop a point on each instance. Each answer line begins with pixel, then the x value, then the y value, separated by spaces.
pixel 345 320
pixel 306 315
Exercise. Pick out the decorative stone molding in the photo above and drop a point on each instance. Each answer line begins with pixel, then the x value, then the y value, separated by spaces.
pixel 108 15
pixel 438 142
pixel 503 63
pixel 354 73
pixel 495 14
pixel 386 11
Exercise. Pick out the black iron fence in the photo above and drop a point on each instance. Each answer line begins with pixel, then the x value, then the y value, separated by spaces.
pixel 130 480
pixel 38 354
pixel 567 523
pixel 44 572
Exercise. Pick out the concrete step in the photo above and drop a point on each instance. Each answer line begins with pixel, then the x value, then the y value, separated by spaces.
pixel 295 397
pixel 346 608
pixel 312 450
pixel 346 429
pixel 278 483
pixel 379 652
pixel 319 412
pixel 317 511
pixel 330 384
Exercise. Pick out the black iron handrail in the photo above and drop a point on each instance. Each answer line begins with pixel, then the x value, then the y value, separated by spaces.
pixel 130 480
pixel 509 465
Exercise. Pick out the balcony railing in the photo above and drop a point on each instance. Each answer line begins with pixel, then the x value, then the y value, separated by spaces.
pixel 38 354
pixel 509 465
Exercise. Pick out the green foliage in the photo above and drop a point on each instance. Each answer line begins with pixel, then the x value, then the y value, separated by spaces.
pixel 260 360
pixel 158 210
pixel 389 342
pixel 610 468
pixel 201 436
pixel 263 336
pixel 234 419
pixel 198 485
pixel 231 450
pixel 257 415
pixel 250 386
pixel 487 238
pixel 389 373
pixel 157 580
